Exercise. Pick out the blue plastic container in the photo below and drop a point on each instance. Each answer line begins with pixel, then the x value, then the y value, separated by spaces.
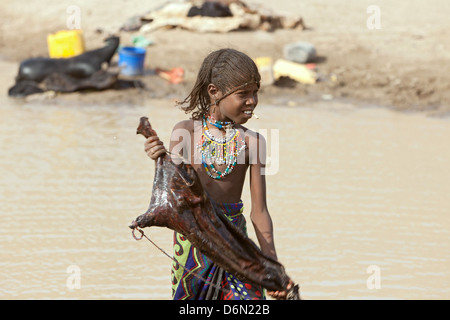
pixel 131 61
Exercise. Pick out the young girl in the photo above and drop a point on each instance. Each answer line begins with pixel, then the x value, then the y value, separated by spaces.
pixel 223 98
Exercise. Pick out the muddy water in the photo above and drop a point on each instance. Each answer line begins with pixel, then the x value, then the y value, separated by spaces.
pixel 359 199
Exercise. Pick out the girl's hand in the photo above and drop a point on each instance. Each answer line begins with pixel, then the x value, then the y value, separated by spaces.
pixel 281 295
pixel 154 147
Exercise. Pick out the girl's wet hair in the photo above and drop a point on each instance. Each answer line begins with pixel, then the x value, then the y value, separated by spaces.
pixel 228 70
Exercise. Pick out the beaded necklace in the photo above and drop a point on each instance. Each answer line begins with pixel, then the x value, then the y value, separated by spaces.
pixel 220 124
pixel 223 150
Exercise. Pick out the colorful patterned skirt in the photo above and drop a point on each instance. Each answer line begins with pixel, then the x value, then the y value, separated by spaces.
pixel 188 283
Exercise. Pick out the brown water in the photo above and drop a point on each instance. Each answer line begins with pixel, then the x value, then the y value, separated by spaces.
pixel 355 189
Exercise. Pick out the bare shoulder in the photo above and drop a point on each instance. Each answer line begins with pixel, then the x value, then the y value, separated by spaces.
pixel 251 136
pixel 256 146
pixel 185 124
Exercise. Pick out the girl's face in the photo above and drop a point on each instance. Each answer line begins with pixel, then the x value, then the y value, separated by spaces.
pixel 238 106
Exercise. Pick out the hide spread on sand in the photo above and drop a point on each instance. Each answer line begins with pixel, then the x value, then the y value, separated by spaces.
pixel 84 71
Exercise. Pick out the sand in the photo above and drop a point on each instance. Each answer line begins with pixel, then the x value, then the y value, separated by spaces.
pixel 403 64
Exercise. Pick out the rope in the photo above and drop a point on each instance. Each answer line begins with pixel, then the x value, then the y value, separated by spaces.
pixel 143 235
pixel 293 293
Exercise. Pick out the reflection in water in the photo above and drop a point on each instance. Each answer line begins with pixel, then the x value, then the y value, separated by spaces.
pixel 354 188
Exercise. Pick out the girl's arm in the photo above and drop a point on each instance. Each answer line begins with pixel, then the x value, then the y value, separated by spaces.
pixel 154 147
pixel 262 222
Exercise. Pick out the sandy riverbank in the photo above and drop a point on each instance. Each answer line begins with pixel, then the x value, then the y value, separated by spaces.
pixel 404 64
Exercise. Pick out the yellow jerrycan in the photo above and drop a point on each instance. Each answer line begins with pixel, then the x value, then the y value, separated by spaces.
pixel 65 43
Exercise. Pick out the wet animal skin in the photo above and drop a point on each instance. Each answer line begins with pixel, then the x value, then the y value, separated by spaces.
pixel 180 203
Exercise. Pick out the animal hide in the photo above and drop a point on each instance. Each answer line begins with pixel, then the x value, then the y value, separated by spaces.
pixel 180 203
pixel 80 72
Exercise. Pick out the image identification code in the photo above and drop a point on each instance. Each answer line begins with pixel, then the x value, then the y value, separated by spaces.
pixel 226 309
pixel 250 309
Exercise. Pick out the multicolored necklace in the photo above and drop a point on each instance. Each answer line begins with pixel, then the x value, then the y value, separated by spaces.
pixel 220 124
pixel 219 151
